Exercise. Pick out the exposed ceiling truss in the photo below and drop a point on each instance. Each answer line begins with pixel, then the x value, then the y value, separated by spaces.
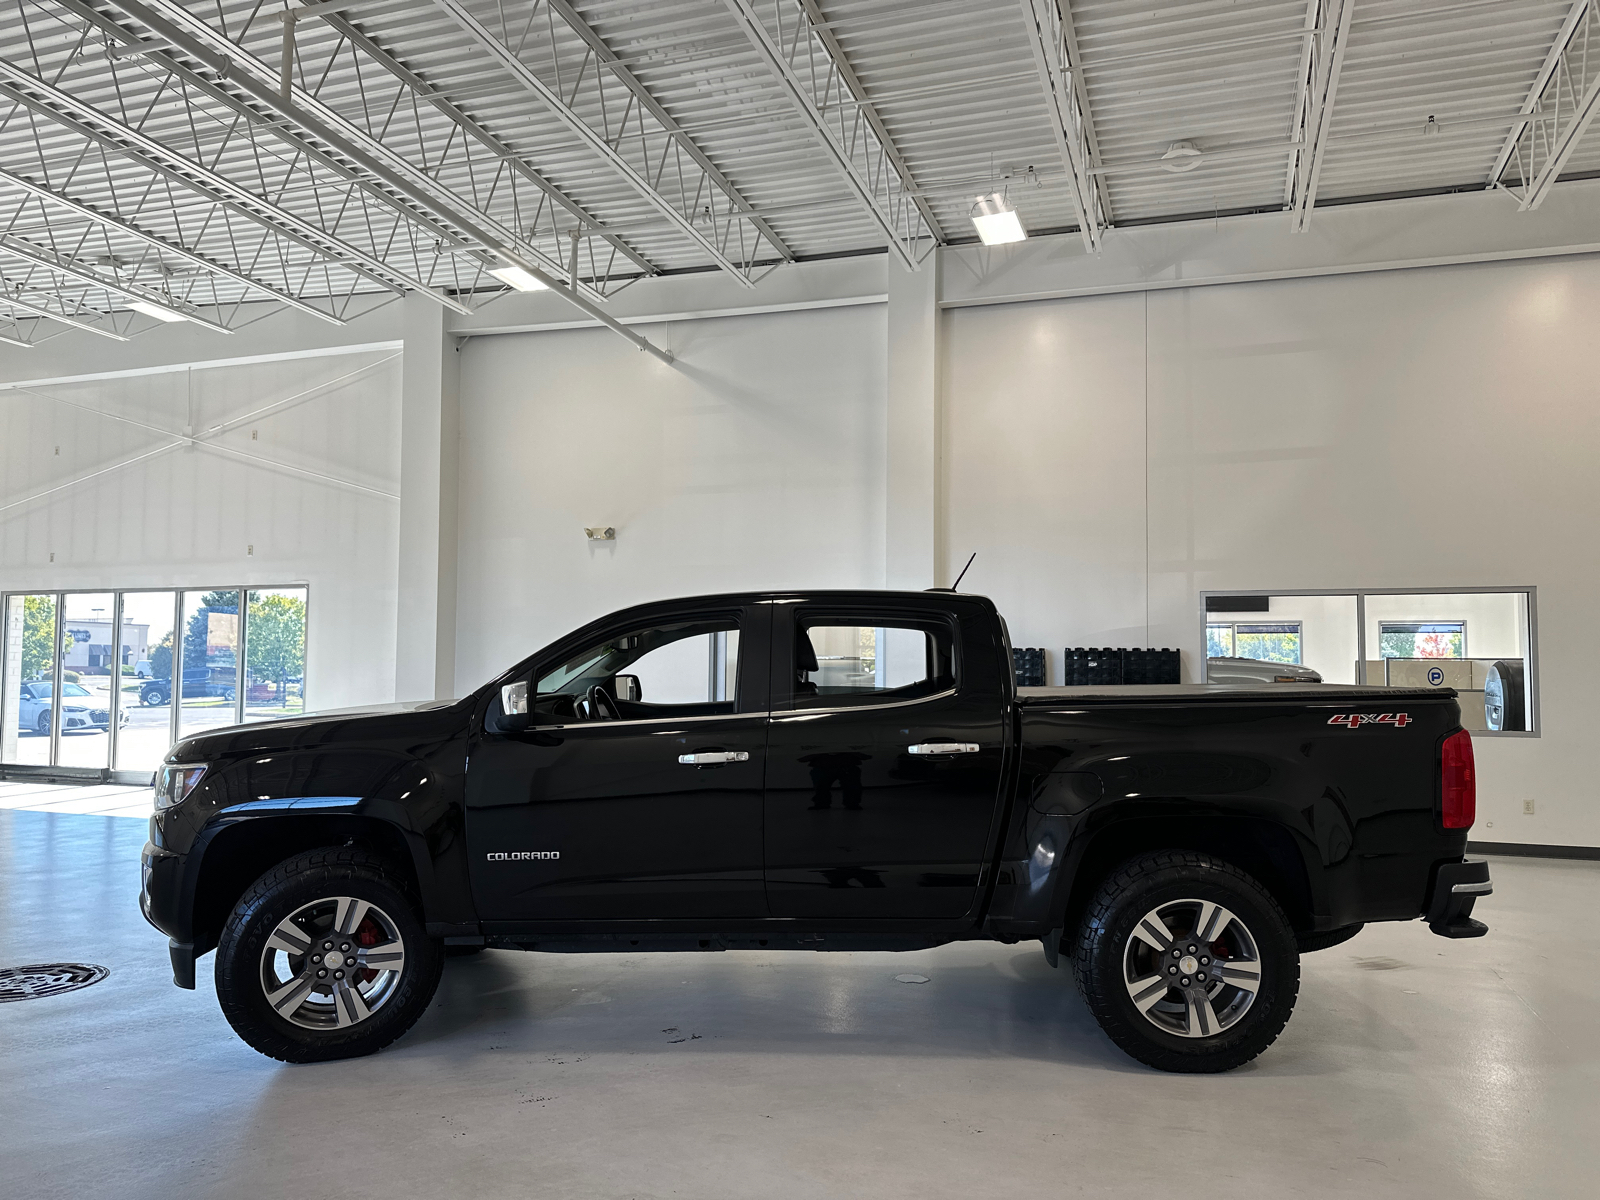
pixel 1054 46
pixel 818 82
pixel 1323 63
pixel 200 156
pixel 635 136
pixel 1562 103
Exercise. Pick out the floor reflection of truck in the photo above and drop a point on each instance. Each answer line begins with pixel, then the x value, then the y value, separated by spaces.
pixel 196 684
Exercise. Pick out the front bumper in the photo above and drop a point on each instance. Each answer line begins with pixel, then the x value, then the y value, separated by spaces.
pixel 160 900
pixel 1456 888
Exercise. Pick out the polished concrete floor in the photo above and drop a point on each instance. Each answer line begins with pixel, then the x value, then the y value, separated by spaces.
pixel 1413 1067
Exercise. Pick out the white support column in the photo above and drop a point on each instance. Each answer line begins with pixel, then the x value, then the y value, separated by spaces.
pixel 425 627
pixel 910 524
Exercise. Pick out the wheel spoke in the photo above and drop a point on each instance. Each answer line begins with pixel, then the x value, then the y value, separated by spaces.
pixel 1203 1021
pixel 289 939
pixel 1147 991
pixel 348 1004
pixel 1213 920
pixel 391 956
pixel 290 996
pixel 348 913
pixel 1244 979
pixel 1153 931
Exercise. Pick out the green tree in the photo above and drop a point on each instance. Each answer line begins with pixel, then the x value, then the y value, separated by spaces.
pixel 194 641
pixel 161 658
pixel 39 636
pixel 277 637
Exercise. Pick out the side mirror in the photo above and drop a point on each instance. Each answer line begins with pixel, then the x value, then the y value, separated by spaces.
pixel 514 699
pixel 628 687
pixel 513 716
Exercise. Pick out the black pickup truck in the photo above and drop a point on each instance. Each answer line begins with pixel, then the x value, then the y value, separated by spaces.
pixel 812 771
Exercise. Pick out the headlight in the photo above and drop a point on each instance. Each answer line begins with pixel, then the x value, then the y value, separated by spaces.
pixel 175 783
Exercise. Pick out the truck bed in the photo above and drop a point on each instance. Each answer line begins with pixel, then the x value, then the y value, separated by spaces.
pixel 1331 693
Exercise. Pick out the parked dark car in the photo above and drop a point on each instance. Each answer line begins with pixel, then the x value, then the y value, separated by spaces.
pixel 196 685
pixel 852 770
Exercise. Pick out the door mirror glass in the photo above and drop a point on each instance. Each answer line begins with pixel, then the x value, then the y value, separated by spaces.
pixel 514 699
pixel 628 688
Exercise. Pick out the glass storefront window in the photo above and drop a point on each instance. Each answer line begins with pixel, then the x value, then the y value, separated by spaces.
pixel 87 657
pixel 146 653
pixel 30 663
pixel 138 670
pixel 275 661
pixel 208 654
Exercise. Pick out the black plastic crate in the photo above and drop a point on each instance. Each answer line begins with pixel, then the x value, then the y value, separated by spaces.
pixel 1101 666
pixel 1029 664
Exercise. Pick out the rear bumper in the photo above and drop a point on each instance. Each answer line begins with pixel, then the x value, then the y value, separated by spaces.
pixel 1456 888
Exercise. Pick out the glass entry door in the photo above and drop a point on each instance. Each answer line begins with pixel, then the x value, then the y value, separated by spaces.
pixel 91 681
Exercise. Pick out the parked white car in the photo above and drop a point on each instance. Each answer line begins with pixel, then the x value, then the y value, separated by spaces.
pixel 1255 670
pixel 81 709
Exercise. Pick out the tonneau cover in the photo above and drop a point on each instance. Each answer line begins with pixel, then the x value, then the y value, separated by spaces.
pixel 1327 693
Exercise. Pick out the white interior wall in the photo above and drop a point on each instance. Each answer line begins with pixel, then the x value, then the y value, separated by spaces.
pixel 753 461
pixel 196 515
pixel 1426 428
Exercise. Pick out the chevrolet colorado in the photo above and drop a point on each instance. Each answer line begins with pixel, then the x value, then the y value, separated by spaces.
pixel 812 771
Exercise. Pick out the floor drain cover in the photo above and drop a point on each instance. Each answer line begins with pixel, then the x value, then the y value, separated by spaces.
pixel 47 979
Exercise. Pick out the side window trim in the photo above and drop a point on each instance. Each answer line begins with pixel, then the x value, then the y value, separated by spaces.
pixel 785 631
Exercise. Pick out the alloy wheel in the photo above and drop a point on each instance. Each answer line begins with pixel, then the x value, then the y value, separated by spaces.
pixel 1192 968
pixel 332 963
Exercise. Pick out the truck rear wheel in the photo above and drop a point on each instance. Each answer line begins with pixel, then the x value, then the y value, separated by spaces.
pixel 323 958
pixel 1187 963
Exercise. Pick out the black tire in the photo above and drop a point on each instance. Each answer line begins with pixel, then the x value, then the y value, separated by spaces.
pixel 1310 943
pixel 1106 942
pixel 289 888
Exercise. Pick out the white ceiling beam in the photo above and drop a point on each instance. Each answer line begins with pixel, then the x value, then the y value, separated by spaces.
pixel 52 197
pixel 629 80
pixel 458 117
pixel 199 40
pixel 1054 47
pixel 1562 102
pixel 10 297
pixel 194 37
pixel 1329 42
pixel 40 256
pixel 614 144
pixel 813 79
pixel 88 122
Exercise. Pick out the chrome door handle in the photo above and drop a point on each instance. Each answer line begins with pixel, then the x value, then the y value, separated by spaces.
pixel 711 758
pixel 943 748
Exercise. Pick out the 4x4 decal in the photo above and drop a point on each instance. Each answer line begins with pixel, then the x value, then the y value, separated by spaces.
pixel 1356 720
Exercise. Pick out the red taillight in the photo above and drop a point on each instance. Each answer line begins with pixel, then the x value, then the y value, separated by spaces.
pixel 1458 790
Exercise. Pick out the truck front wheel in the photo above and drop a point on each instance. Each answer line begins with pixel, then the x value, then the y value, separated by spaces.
pixel 323 957
pixel 1186 962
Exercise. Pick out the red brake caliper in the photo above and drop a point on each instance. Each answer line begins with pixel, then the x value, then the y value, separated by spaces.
pixel 368 934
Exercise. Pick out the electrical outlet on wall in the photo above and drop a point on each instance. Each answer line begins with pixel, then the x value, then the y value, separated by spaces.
pixel 1527 807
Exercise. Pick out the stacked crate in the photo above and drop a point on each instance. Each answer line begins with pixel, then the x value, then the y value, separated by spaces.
pixel 1029 664
pixel 1092 667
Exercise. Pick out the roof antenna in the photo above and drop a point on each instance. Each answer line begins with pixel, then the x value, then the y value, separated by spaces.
pixel 957 584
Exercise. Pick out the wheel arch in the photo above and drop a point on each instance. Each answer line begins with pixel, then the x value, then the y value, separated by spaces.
pixel 235 854
pixel 1261 848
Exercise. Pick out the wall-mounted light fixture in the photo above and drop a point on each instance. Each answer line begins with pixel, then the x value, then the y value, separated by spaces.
pixel 600 533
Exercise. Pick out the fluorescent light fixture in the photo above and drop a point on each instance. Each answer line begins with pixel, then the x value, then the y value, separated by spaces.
pixel 996 221
pixel 523 281
pixel 155 310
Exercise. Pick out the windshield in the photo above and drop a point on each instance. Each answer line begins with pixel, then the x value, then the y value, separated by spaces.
pixel 598 663
pixel 42 690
